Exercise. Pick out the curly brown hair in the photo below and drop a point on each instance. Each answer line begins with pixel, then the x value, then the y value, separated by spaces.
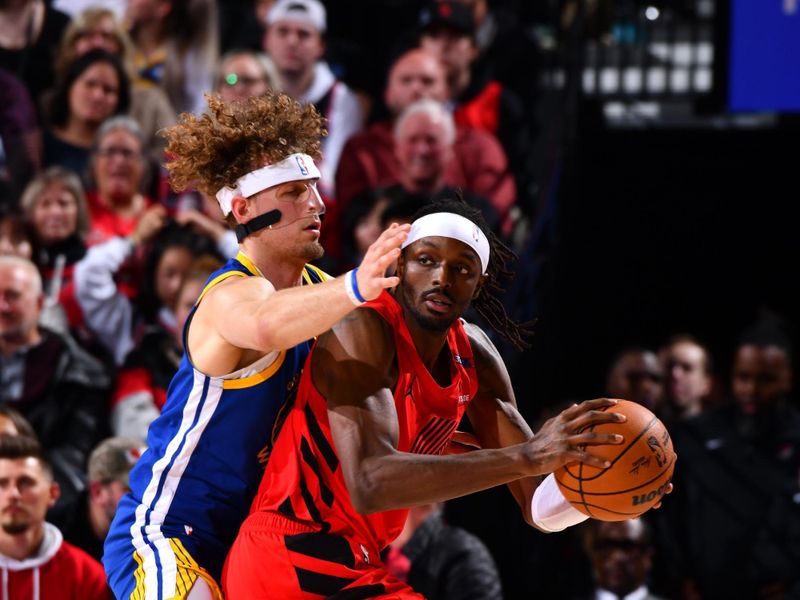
pixel 215 149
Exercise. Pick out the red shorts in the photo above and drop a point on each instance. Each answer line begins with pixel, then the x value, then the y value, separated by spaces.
pixel 276 557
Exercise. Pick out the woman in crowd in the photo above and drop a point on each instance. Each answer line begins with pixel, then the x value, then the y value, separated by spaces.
pixel 55 206
pixel 94 88
pixel 98 28
pixel 176 48
pixel 117 170
pixel 245 73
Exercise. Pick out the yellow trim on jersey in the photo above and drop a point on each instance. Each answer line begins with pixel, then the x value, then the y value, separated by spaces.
pixel 249 264
pixel 235 384
pixel 216 280
pixel 138 575
pixel 188 572
pixel 323 276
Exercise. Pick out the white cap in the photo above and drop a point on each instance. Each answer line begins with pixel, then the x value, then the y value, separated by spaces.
pixel 311 12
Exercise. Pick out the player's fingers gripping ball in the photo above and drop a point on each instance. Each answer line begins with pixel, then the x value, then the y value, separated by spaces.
pixel 639 475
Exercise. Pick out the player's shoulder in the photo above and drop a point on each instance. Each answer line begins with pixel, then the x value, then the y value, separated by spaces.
pixel 482 346
pixel 485 354
pixel 358 346
pixel 363 326
pixel 237 286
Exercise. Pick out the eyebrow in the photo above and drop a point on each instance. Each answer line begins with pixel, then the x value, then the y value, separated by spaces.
pixel 465 253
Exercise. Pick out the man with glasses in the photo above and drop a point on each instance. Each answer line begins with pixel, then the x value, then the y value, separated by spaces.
pixel 246 341
pixel 245 73
pixel 621 557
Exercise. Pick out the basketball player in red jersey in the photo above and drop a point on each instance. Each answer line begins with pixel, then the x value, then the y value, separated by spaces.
pixel 378 403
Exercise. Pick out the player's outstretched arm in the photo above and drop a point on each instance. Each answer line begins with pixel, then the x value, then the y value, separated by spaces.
pixel 249 313
pixel 353 368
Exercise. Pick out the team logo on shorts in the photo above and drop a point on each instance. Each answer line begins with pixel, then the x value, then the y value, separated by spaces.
pixel 301 165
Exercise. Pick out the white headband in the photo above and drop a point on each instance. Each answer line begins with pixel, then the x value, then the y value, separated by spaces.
pixel 295 167
pixel 454 226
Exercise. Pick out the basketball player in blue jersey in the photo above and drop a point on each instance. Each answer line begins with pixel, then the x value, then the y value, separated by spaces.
pixel 246 341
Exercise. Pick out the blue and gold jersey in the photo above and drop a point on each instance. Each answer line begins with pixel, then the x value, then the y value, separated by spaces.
pixel 193 487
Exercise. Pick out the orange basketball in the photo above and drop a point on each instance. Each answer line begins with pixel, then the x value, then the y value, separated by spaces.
pixel 641 467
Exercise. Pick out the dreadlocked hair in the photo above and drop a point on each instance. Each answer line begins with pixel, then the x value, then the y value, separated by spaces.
pixel 213 150
pixel 488 302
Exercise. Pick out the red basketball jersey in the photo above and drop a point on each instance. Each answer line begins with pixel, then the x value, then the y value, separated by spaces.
pixel 304 480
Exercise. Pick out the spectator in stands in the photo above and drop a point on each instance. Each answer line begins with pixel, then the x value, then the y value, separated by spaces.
pixel 177 46
pixel 60 389
pixel 173 251
pixel 448 31
pixel 35 560
pixel 636 374
pixel 116 202
pixel 99 28
pixel 94 88
pixel 295 43
pixel 622 558
pixel 245 73
pixel 55 206
pixel 369 214
pixel 86 524
pixel 423 142
pixel 107 282
pixel 689 377
pixel 477 162
pixel 20 134
pixel 142 383
pixel 442 562
pixel 29 34
pixel 507 49
pixel 207 218
pixel 735 514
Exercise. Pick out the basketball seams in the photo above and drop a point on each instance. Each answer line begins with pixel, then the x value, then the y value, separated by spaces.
pixel 600 472
pixel 624 450
pixel 576 483
pixel 583 500
pixel 646 483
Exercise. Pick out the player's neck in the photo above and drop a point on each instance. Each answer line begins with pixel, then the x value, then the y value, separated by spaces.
pixel 429 345
pixel 280 272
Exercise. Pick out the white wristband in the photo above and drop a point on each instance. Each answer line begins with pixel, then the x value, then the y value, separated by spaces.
pixel 351 286
pixel 550 510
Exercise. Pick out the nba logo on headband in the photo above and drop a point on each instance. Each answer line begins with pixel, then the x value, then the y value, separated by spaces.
pixel 301 165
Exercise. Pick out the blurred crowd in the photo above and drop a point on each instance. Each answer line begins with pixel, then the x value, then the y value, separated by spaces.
pixel 101 262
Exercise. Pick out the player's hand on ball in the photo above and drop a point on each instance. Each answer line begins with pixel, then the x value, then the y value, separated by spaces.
pixel 668 490
pixel 567 437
